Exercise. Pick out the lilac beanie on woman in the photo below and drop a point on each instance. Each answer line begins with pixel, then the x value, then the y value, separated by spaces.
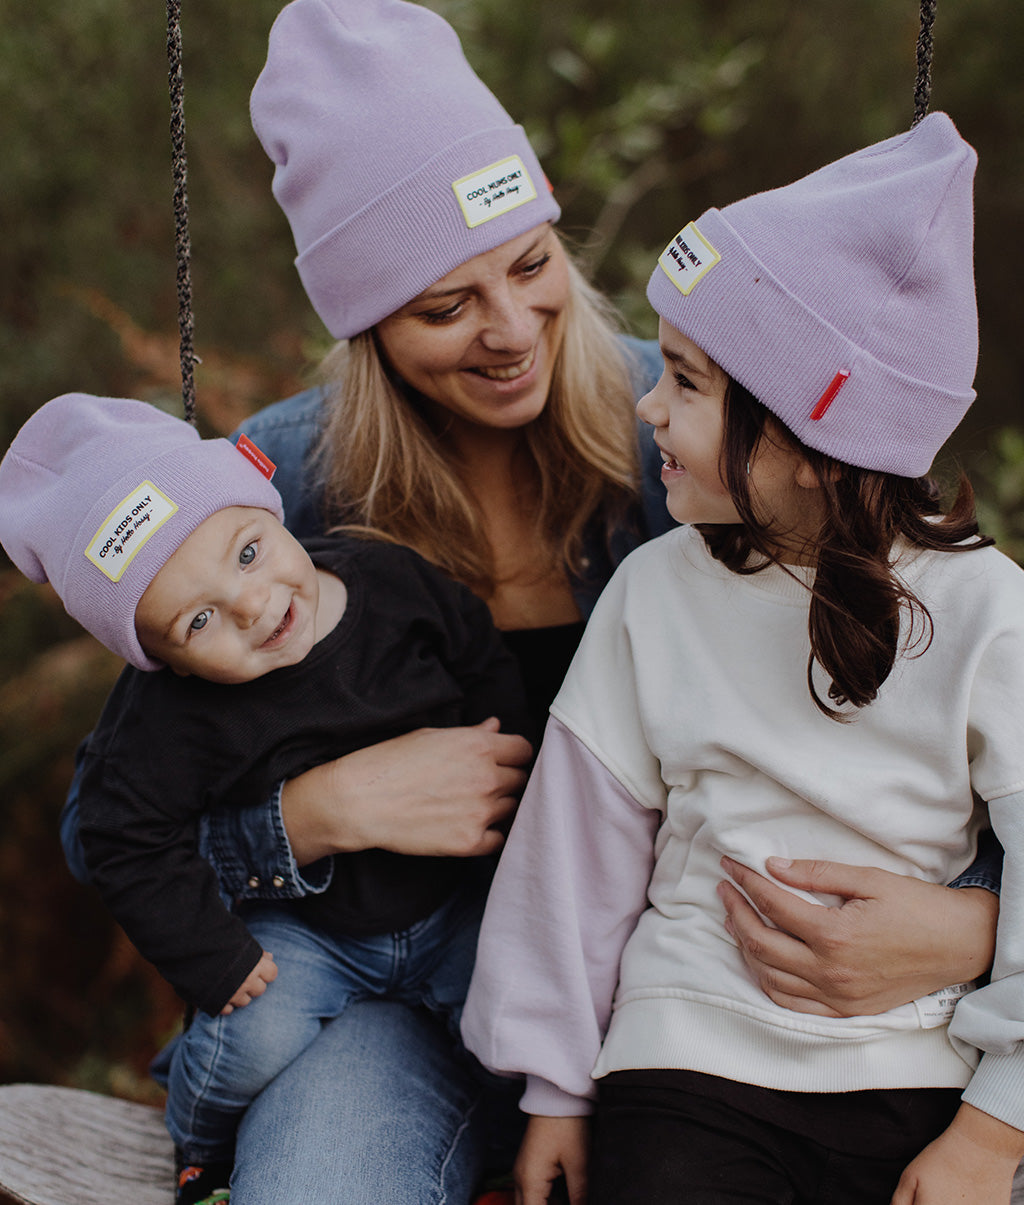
pixel 394 164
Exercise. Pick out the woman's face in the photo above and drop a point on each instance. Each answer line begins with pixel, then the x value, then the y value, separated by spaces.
pixel 481 343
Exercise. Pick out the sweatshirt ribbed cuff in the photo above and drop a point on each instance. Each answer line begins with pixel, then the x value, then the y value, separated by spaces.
pixel 997 1088
pixel 547 1100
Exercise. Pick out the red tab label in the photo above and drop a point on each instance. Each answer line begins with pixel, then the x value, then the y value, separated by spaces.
pixel 251 452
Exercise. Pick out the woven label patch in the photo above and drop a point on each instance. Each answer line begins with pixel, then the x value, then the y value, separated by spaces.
pixel 495 190
pixel 688 258
pixel 937 1009
pixel 127 528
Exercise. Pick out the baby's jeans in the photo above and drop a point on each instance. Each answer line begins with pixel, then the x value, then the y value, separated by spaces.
pixel 221 1063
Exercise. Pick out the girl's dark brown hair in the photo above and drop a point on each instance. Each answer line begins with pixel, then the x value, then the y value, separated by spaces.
pixel 857 601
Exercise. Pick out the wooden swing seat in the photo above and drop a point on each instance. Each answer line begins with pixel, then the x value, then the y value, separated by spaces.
pixel 64 1146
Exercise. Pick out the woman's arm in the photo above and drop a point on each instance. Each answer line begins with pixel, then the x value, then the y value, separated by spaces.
pixel 893 940
pixel 434 791
pixel 445 791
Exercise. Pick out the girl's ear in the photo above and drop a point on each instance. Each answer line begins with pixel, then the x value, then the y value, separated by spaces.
pixel 807 477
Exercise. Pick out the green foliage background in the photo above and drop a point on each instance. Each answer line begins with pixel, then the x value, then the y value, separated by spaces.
pixel 643 115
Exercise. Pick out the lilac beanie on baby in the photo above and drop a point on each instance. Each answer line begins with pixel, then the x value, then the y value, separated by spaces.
pixel 97 493
pixel 844 302
pixel 394 164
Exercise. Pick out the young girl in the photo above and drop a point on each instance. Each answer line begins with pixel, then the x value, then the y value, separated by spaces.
pixel 819 641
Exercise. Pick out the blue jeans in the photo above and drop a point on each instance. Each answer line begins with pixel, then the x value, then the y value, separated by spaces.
pixel 382 1109
pixel 350 1095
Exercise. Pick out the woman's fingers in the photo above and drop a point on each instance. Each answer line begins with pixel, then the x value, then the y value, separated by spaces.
pixel 778 962
pixel 890 940
pixel 775 904
pixel 434 791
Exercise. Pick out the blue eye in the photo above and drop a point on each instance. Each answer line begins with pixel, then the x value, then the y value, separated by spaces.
pixel 200 622
pixel 247 555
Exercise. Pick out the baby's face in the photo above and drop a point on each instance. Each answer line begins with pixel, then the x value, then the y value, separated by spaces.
pixel 237 599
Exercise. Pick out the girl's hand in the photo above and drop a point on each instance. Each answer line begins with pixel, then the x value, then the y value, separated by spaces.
pixel 893 940
pixel 435 791
pixel 256 983
pixel 974 1160
pixel 552 1147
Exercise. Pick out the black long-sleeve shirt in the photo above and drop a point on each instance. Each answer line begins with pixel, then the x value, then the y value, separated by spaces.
pixel 413 649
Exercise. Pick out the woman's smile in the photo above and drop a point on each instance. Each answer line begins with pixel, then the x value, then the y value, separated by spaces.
pixel 509 372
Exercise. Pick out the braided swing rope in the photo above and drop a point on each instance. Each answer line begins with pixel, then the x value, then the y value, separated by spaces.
pixel 925 45
pixel 182 242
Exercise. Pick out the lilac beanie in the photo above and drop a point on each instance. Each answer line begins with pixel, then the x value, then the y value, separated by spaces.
pixel 97 493
pixel 394 163
pixel 844 302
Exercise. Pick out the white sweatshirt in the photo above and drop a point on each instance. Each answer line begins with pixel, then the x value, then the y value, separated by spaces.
pixel 685 731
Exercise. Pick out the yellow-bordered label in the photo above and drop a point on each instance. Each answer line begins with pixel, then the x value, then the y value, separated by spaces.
pixel 126 529
pixel 688 259
pixel 494 190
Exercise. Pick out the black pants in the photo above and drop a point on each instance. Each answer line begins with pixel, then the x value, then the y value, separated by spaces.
pixel 680 1138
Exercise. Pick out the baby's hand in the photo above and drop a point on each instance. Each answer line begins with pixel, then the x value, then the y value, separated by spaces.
pixel 256 983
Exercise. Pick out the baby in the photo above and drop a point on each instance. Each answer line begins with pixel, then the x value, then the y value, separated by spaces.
pixel 252 658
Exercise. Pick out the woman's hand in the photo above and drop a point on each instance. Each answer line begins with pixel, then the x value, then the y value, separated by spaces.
pixel 974 1160
pixel 443 791
pixel 552 1147
pixel 892 940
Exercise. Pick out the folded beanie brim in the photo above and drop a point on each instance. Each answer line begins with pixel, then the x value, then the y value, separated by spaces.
pixel 379 259
pixel 882 419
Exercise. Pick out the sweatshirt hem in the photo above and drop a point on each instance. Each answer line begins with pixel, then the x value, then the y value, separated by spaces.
pixel 693 1035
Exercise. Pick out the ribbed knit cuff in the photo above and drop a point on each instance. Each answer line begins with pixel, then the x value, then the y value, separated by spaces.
pixel 545 1099
pixel 998 1088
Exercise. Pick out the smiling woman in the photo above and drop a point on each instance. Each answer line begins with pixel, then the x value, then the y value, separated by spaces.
pixel 488 423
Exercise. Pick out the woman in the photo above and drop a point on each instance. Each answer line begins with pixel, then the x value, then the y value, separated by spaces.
pixel 481 411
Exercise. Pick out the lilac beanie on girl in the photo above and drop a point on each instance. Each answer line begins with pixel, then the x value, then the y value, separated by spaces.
pixel 97 493
pixel 844 302
pixel 394 164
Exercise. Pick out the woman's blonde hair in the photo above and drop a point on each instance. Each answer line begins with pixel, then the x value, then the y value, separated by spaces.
pixel 386 469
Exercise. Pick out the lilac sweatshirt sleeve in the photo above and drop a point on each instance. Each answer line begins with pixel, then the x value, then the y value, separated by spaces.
pixel 569 889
